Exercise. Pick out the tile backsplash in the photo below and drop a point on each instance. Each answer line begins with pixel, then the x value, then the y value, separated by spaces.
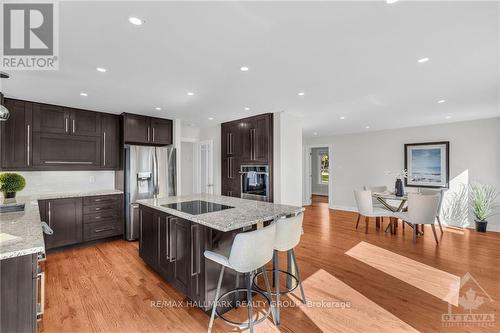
pixel 67 181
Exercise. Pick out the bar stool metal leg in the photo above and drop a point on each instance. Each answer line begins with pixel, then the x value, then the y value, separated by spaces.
pixel 217 294
pixel 298 277
pixel 276 275
pixel 249 301
pixel 268 288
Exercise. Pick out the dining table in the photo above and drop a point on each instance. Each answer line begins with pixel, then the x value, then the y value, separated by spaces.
pixel 385 199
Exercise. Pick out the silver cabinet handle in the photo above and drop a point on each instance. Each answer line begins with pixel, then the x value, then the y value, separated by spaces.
pixel 66 162
pixel 171 224
pixel 28 144
pixel 66 125
pixel 167 238
pixel 148 133
pixel 50 220
pixel 104 147
pixel 194 248
pixel 104 229
pixel 153 134
pixel 73 126
pixel 41 302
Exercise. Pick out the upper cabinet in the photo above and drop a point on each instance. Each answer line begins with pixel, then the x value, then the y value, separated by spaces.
pixel 86 123
pixel 61 120
pixel 17 136
pixel 142 130
pixel 50 137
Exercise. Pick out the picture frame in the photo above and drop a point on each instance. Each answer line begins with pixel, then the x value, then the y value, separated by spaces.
pixel 428 164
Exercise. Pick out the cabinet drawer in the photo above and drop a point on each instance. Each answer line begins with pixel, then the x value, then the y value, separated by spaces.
pixel 105 215
pixel 101 208
pixel 102 229
pixel 102 199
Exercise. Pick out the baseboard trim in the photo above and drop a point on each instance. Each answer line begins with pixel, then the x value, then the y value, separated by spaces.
pixel 346 208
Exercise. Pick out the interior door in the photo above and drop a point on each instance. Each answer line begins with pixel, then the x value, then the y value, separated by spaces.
pixel 206 167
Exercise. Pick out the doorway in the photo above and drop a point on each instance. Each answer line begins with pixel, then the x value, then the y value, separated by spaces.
pixel 318 185
pixel 206 167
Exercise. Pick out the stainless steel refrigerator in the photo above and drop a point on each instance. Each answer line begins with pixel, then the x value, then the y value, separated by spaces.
pixel 149 172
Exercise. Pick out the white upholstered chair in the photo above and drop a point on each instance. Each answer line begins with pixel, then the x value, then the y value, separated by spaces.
pixel 364 202
pixel 249 252
pixel 441 196
pixel 422 209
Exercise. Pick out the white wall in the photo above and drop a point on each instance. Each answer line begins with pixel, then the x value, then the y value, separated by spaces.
pixel 188 176
pixel 362 159
pixel 287 159
pixel 214 134
pixel 316 186
pixel 66 181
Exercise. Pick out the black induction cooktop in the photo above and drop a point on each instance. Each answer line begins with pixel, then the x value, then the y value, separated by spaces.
pixel 197 207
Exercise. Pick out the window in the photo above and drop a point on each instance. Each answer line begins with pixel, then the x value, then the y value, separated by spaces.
pixel 324 164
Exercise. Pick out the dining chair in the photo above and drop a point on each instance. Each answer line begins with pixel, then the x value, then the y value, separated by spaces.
pixel 376 189
pixel 441 196
pixel 422 209
pixel 365 208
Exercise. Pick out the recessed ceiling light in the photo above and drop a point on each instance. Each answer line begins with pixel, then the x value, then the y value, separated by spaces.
pixel 448 117
pixel 135 21
pixel 244 68
pixel 342 118
pixel 441 101
pixel 84 94
pixel 190 93
pixel 102 70
pixel 158 108
pixel 315 133
pixel 301 93
pixel 210 118
pixel 247 109
pixel 422 60
pixel 391 1
pixel 367 127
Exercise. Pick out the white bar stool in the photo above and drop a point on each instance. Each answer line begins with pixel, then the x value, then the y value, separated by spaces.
pixel 250 252
pixel 288 233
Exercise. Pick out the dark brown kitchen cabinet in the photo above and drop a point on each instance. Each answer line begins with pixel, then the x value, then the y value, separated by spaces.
pixel 51 119
pixel 65 217
pixel 63 152
pixel 161 131
pixel 17 136
pixel 174 247
pixel 110 152
pixel 84 123
pixel 247 141
pixel 19 280
pixel 144 130
pixel 148 236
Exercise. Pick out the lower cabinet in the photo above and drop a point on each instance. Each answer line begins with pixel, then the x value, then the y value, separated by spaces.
pixel 77 220
pixel 19 280
pixel 65 218
pixel 174 248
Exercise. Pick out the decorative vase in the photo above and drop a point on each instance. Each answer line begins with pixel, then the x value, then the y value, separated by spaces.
pixel 9 195
pixel 399 188
pixel 481 226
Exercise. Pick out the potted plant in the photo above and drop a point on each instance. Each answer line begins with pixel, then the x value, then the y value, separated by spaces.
pixel 483 200
pixel 10 183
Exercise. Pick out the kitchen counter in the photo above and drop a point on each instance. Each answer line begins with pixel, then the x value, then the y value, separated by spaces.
pixel 26 225
pixel 244 214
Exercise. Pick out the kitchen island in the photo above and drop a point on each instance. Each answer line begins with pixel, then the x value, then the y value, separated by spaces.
pixel 175 231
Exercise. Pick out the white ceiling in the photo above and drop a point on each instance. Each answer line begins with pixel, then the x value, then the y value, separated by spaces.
pixel 352 59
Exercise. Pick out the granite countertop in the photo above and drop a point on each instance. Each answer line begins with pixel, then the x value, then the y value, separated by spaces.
pixel 26 225
pixel 245 212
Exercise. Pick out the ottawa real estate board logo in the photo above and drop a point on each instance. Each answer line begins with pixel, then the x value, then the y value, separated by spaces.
pixel 29 35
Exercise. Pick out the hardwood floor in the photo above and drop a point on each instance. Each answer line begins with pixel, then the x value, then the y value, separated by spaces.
pixel 107 287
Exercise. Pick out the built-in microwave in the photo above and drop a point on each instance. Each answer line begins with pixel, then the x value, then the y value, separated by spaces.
pixel 255 182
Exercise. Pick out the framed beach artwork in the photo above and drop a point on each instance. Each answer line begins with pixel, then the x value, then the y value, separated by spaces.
pixel 428 164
